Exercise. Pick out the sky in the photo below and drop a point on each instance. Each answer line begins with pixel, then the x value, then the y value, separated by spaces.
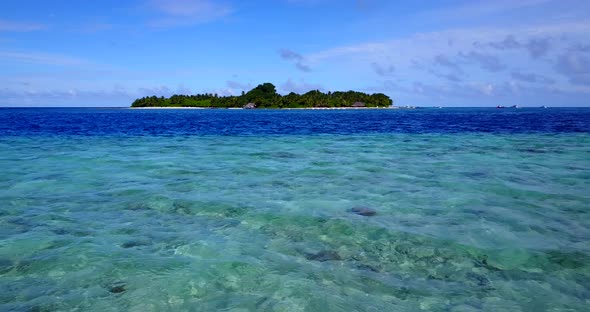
pixel 420 52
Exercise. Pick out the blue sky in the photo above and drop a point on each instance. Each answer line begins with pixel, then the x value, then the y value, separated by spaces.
pixel 423 53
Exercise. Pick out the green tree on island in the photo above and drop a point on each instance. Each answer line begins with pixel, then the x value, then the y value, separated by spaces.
pixel 265 96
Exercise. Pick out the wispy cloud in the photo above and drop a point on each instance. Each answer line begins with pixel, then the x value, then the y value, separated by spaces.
pixel 486 61
pixel 95 27
pixel 383 70
pixel 478 8
pixel 299 87
pixel 41 58
pixel 472 62
pixel 508 43
pixel 452 77
pixel 160 90
pixel 531 77
pixel 444 61
pixel 538 47
pixel 297 58
pixel 171 13
pixel 575 66
pixel 437 43
pixel 308 2
pixel 232 84
pixel 290 55
pixel 17 26
pixel 358 4
pixel 32 96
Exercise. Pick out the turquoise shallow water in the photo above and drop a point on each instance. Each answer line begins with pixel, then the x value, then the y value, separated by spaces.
pixel 465 222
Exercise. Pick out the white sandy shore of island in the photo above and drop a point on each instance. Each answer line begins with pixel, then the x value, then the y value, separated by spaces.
pixel 305 108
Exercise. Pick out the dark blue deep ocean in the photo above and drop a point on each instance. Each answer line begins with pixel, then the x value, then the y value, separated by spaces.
pixel 99 121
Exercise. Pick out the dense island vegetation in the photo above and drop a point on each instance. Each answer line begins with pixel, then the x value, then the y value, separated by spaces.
pixel 266 96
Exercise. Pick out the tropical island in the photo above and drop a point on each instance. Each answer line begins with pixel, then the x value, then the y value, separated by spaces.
pixel 265 96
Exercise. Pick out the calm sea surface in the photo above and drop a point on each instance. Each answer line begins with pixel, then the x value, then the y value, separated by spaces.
pixel 236 210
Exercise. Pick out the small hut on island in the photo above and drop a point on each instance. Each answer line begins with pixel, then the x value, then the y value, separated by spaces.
pixel 358 105
pixel 249 106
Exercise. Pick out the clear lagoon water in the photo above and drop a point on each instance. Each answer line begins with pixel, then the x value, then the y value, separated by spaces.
pixel 232 210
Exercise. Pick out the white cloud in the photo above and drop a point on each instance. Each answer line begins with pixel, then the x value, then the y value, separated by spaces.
pixel 476 58
pixel 435 43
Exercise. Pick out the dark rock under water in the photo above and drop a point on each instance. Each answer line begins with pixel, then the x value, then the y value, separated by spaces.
pixel 117 288
pixel 324 255
pixel 135 243
pixel 364 211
